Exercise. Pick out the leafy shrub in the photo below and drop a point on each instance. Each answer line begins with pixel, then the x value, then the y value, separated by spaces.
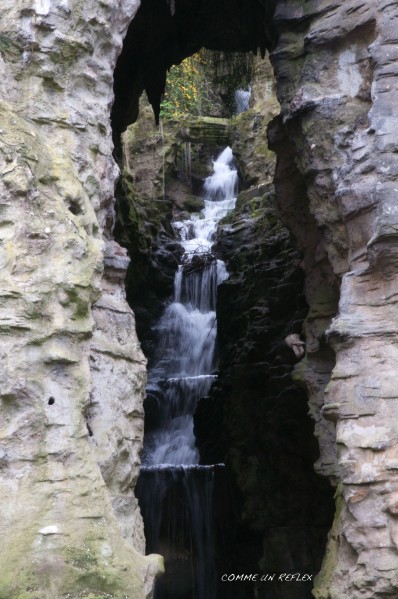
pixel 188 89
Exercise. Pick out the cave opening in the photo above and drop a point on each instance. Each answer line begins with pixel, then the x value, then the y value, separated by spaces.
pixel 271 510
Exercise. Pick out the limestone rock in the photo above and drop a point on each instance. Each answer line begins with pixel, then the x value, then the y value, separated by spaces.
pixel 335 66
pixel 63 492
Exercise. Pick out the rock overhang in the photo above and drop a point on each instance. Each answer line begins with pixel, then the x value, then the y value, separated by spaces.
pixel 165 32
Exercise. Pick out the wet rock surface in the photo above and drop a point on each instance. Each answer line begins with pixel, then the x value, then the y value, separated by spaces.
pixel 163 175
pixel 259 416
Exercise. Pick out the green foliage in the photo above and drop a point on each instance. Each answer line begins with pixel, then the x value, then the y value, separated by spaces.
pixel 188 89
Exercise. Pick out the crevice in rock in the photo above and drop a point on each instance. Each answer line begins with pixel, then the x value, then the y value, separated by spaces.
pixel 256 417
pixel 75 208
pixel 321 289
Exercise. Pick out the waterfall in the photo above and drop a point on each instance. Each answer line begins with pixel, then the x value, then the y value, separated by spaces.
pixel 242 99
pixel 173 490
pixel 185 356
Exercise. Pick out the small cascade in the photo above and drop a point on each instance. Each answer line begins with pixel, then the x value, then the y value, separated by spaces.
pixel 173 490
pixel 242 99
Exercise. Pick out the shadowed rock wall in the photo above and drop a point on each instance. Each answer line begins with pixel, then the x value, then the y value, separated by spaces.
pixel 268 436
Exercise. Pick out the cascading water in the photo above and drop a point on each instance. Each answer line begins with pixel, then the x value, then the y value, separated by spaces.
pixel 242 99
pixel 173 490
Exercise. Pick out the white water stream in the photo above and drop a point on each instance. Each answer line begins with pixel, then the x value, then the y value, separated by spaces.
pixel 242 99
pixel 185 359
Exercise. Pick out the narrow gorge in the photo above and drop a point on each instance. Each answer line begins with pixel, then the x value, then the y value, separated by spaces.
pixel 198 309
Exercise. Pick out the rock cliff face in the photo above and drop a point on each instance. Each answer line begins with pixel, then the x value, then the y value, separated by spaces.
pixel 335 65
pixel 72 370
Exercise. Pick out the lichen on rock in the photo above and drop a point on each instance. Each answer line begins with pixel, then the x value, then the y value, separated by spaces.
pixel 64 487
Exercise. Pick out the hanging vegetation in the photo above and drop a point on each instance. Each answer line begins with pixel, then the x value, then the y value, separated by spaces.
pixel 204 84
pixel 188 89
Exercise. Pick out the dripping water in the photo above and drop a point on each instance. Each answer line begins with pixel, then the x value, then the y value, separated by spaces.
pixel 173 490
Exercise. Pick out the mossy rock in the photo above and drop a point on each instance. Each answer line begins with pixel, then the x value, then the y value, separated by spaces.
pixel 9 47
pixel 193 203
pixel 209 130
